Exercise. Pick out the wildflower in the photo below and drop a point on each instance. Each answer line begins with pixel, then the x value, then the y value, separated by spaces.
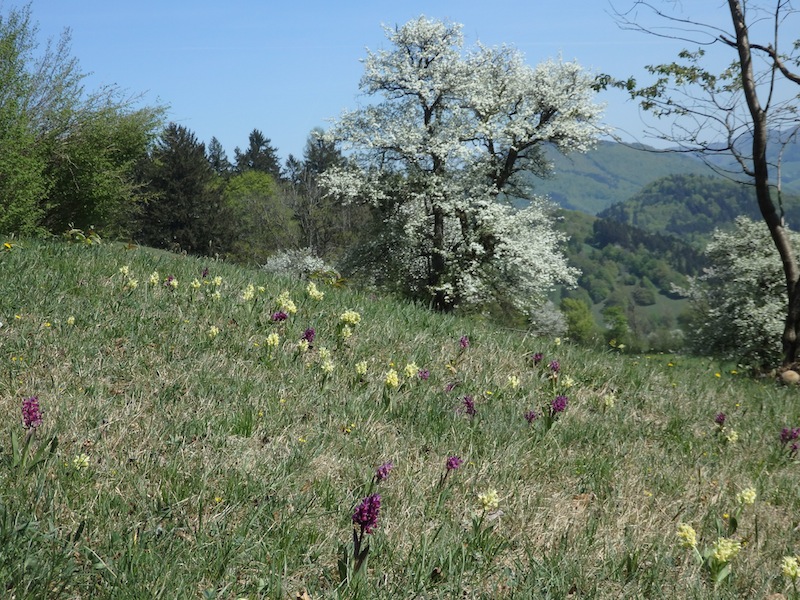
pixel 720 419
pixel 154 278
pixel 80 462
pixel 273 339
pixel 687 535
pixel 464 342
pixel 392 379
pixel 450 386
pixel 327 366
pixel 217 281
pixel 558 405
pixel 423 374
pixel 70 320
pixel 746 496
pixel 249 293
pixel 279 316
pixel 195 283
pixel 31 413
pixel 212 332
pixel 286 304
pixel 204 274
pixel 731 435
pixel 125 271
pixel 132 284
pixel 531 416
pixel 513 381
pixel 726 549
pixel 324 353
pixel 608 401
pixel 489 499
pixel 303 346
pixel 361 368
pixel 537 358
pixel 790 566
pixel 789 434
pixel 313 292
pixel 367 513
pixel 554 366
pixel 171 282
pixel 411 369
pixel 469 406
pixel 350 317
pixel 309 335
pixel 557 341
pixel 383 471
pixel 216 295
pixel 346 332
pixel 453 463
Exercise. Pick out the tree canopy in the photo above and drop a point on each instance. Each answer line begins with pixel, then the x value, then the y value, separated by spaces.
pixel 441 151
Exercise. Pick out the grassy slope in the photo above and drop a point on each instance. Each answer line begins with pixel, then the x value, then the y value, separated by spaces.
pixel 221 468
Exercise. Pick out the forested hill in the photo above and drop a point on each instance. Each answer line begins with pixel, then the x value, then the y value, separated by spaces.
pixel 692 206
pixel 613 172
pixel 609 174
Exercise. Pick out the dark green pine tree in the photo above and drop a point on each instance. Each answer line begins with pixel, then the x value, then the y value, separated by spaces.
pixel 185 210
pixel 260 155
pixel 218 159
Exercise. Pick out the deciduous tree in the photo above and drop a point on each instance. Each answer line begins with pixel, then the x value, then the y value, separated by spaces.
pixel 440 153
pixel 733 110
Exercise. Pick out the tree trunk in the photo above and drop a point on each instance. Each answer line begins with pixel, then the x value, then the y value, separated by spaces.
pixel 760 174
pixel 438 264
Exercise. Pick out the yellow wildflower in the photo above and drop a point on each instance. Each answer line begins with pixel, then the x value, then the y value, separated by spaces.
pixel 411 369
pixel 746 496
pixel 212 332
pixel 687 535
pixel 273 339
pixel 350 317
pixel 313 292
pixel 791 567
pixel 361 368
pixel 154 278
pixel 70 320
pixel 489 499
pixel 392 379
pixel 195 283
pixel 346 332
pixel 726 549
pixel 81 462
pixel 513 381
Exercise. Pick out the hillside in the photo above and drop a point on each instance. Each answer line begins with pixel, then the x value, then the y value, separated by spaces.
pixel 172 428
pixel 613 172
pixel 626 267
pixel 609 174
pixel 692 206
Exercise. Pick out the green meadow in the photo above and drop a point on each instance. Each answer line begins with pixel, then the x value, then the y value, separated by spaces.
pixel 192 443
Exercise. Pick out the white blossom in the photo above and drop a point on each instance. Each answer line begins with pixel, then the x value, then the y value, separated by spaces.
pixel 450 140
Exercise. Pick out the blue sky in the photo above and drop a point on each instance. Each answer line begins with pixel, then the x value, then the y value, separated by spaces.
pixel 225 68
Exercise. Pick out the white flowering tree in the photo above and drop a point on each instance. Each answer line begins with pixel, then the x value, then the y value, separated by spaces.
pixel 450 138
pixel 739 303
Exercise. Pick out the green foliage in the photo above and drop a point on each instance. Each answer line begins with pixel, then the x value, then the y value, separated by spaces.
pixel 185 209
pixel 264 222
pixel 580 321
pixel 68 153
pixel 259 155
pixel 93 170
pixel 692 207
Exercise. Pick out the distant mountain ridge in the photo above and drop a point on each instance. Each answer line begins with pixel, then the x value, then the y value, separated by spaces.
pixel 614 172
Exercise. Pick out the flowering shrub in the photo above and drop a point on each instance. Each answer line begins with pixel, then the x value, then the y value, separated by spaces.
pixel 739 303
